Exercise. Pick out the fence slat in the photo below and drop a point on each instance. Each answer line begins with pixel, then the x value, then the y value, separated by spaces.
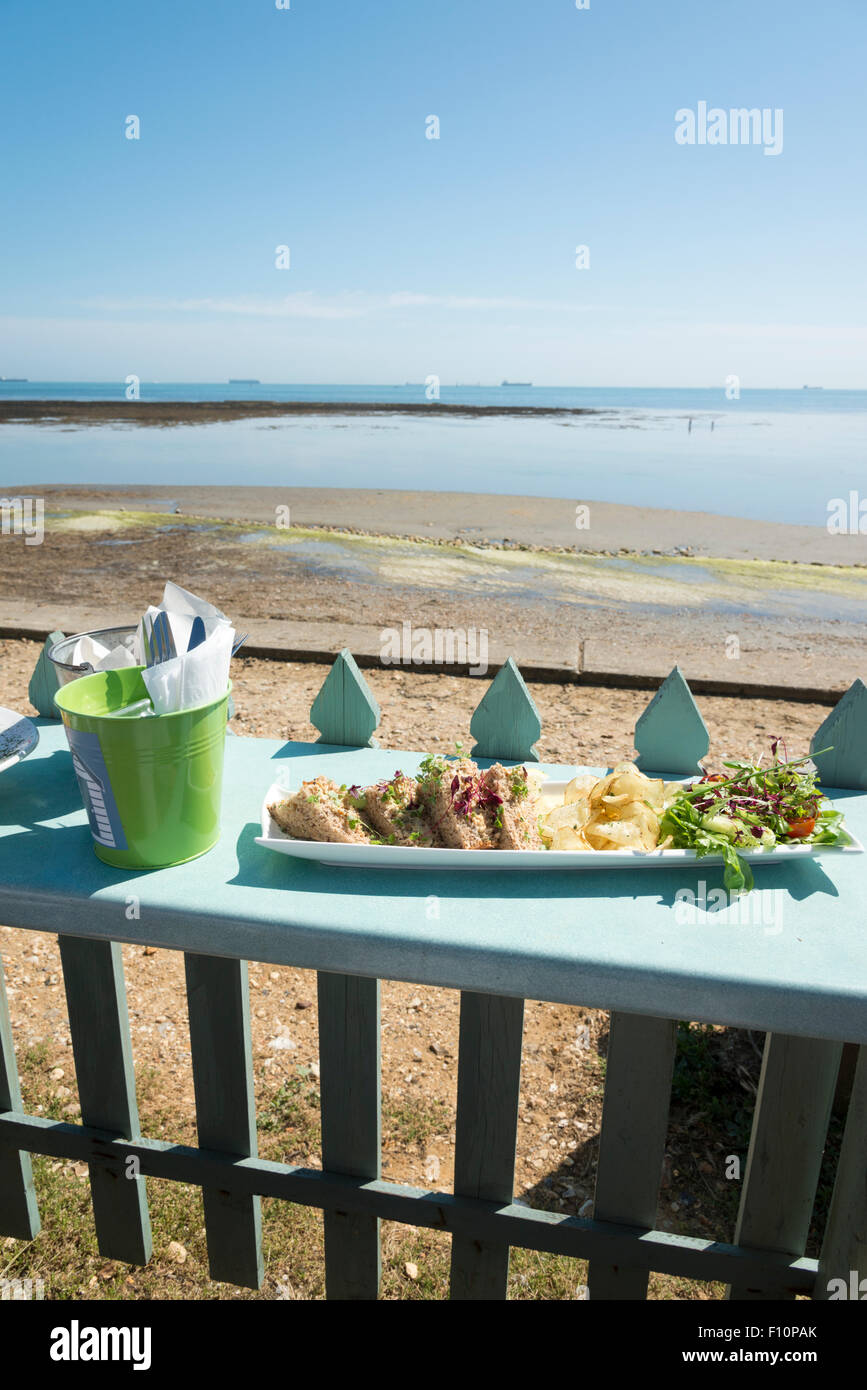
pixel 671 736
pixel 508 1224
pixel 19 1215
pixel 844 1248
pixel 99 1027
pixel 43 682
pixel 489 1080
pixel 632 1143
pixel 219 1009
pixel 506 722
pixel 345 711
pixel 793 1107
pixel 349 1075
pixel 844 735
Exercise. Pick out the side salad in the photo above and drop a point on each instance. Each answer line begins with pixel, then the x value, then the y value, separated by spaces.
pixel 754 808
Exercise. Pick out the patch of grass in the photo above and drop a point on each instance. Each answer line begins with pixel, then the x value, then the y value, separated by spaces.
pixel 292 1118
pixel 704 1081
pixel 411 1124
pixel 673 1286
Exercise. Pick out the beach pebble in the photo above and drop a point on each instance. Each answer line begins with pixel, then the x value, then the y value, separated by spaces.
pixel 410 1270
pixel 176 1252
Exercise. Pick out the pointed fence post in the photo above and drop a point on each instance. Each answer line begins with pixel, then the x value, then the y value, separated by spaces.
pixel 844 1248
pixel 345 711
pixel 19 1215
pixel 44 682
pixel 790 1124
pixel 844 734
pixel 506 723
pixel 671 735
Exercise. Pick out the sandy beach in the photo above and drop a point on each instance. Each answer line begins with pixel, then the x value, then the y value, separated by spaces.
pixel 481 519
pixel 742 607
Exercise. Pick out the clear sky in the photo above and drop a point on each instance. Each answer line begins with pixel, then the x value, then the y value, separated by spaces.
pixel 306 127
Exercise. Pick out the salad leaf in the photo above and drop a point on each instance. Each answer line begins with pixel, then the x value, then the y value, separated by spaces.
pixel 752 808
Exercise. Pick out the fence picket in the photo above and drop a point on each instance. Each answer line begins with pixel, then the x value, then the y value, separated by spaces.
pixel 489 1080
pixel 506 722
pixel 671 736
pixel 844 734
pixel 19 1215
pixel 99 1027
pixel 632 1143
pixel 349 1075
pixel 793 1106
pixel 844 1248
pixel 219 1009
pixel 345 711
pixel 43 682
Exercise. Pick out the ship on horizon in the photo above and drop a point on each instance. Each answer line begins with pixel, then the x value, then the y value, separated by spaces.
pixel 244 381
pixel 526 384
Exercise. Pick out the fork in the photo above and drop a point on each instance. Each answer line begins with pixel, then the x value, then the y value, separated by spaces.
pixel 159 643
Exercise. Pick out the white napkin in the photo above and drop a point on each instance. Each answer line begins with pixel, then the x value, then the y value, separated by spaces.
pixel 195 677
pixel 99 657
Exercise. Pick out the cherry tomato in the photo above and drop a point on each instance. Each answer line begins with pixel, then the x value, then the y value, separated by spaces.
pixel 715 777
pixel 798 829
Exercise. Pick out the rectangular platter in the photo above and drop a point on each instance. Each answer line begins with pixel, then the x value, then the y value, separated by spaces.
pixel 358 856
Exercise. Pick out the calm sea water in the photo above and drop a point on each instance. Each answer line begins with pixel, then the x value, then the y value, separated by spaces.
pixel 770 455
pixel 603 398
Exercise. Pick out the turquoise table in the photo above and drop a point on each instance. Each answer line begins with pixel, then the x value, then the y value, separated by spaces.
pixel 790 960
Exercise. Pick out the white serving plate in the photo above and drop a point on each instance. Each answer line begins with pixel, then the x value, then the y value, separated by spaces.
pixel 18 737
pixel 359 856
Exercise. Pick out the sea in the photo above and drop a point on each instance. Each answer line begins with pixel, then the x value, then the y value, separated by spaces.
pixel 783 455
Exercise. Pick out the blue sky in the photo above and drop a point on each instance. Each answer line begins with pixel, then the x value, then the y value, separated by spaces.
pixel 305 127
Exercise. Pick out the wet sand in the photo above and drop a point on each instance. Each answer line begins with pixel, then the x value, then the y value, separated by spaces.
pixel 303 592
pixel 215 412
pixel 478 519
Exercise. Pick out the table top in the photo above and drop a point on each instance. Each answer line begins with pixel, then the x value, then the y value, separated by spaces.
pixel 790 957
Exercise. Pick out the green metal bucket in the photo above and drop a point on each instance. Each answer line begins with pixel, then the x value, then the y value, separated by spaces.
pixel 151 786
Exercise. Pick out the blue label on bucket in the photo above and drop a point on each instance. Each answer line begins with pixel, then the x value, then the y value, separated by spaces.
pixel 95 786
